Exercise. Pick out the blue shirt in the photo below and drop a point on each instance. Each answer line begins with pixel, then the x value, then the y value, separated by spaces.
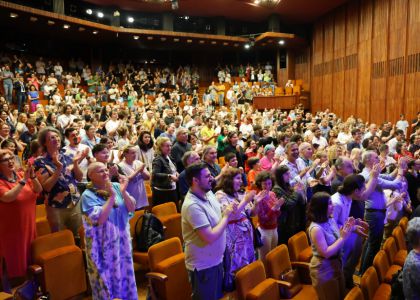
pixel 377 199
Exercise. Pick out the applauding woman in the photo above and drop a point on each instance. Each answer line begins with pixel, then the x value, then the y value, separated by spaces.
pixel 136 173
pixel 327 241
pixel 239 234
pixel 106 208
pixel 18 193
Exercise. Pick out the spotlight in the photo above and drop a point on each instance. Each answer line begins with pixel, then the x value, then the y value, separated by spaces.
pixel 66 26
pixel 136 37
pixel 13 15
pixel 50 22
pixel 116 13
pixel 281 42
pixel 89 11
pixel 130 19
pixel 100 14
pixel 95 32
pixel 247 46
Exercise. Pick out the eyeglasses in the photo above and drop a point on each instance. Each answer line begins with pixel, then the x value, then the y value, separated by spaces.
pixel 7 159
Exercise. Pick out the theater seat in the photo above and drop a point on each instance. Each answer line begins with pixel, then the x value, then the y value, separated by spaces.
pixel 63 272
pixel 372 289
pixel 168 278
pixel 41 222
pixel 278 263
pixel 355 294
pixel 399 237
pixel 140 259
pixel 5 296
pixel 222 161
pixel 403 224
pixel 395 256
pixel 148 192
pixel 299 248
pixel 170 219
pixel 252 284
pixel 384 270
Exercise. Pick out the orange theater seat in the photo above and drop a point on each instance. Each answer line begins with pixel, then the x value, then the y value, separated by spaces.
pixel 399 237
pixel 299 248
pixel 355 294
pixel 384 270
pixel 63 271
pixel 140 259
pixel 395 256
pixel 403 224
pixel 168 278
pixel 372 288
pixel 222 161
pixel 251 283
pixel 170 219
pixel 278 263
pixel 289 91
pixel 41 222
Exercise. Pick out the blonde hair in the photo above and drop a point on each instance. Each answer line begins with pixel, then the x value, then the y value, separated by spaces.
pixel 159 142
pixel 125 150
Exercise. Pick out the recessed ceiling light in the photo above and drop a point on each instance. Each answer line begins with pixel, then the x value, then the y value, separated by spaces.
pixel 176 40
pixel 163 39
pixel 81 29
pixel 13 15
pixel 201 42
pixel 136 37
pixel 281 42
pixel 189 41
pixel 95 32
pixel 150 38
pixel 256 1
pixel 66 26
pixel 130 19
pixel 100 14
pixel 246 46
pixel 213 42
pixel 225 43
pixel 236 44
pixel 89 11
pixel 50 22
pixel 33 19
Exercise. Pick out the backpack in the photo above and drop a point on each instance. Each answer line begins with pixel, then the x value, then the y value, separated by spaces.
pixel 397 292
pixel 148 231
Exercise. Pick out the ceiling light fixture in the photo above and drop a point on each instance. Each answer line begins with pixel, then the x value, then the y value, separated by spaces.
pixel 100 14
pixel 136 37
pixel 130 20
pixel 33 19
pixel 281 42
pixel 13 15
pixel 50 22
pixel 66 26
pixel 247 46
pixel 95 32
pixel 89 11
pixel 81 29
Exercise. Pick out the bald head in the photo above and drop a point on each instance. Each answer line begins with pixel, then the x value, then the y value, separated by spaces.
pixel 93 167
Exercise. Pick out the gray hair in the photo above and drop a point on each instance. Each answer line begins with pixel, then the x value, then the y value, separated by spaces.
pixel 413 232
pixel 366 156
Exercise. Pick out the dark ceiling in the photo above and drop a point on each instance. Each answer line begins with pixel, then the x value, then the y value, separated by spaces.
pixel 291 11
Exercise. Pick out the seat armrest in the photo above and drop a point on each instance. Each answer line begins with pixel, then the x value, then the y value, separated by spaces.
pixel 158 276
pixel 283 283
pixel 300 264
pixel 34 269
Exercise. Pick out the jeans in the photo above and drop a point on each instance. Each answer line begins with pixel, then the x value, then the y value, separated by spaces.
pixel 375 219
pixel 221 100
pixel 8 91
pixel 21 99
pixel 207 284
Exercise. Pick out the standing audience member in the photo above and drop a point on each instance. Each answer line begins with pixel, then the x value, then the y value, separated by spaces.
pixel 239 234
pixel 179 148
pixel 59 175
pixel 164 174
pixel 106 211
pixel 204 233
pixel 327 241
pixel 189 158
pixel 18 194
pixel 146 152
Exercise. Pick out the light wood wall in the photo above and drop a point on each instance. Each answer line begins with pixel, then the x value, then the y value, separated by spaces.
pixel 366 60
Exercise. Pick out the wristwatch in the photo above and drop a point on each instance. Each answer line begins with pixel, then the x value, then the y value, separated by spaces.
pixel 22 182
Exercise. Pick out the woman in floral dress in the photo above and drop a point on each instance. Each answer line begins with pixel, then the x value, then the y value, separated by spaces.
pixel 106 209
pixel 239 236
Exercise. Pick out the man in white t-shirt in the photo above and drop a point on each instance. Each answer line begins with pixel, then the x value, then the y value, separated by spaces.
pixel 402 124
pixel 64 120
pixel 392 143
pixel 319 139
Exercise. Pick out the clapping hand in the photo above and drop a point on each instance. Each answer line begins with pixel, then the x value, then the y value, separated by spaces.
pixel 58 164
pixel 29 172
pixel 261 196
pixel 347 228
pixel 249 196
pixel 361 228
pixel 81 155
pixel 123 180
pixel 376 170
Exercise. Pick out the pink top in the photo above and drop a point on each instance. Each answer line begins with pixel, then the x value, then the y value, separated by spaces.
pixel 266 164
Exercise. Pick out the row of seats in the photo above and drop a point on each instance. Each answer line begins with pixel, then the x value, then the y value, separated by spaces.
pixel 375 282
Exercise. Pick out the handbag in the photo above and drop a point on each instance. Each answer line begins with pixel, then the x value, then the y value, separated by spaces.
pixel 292 277
pixel 27 291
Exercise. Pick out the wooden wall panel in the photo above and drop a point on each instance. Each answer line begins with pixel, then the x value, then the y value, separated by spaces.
pixel 339 61
pixel 350 73
pixel 366 60
pixel 328 62
pixel 303 68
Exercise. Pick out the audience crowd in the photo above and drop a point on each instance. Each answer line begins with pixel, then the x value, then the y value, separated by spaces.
pixel 346 182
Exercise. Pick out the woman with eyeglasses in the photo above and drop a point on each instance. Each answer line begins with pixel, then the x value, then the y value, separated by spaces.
pixel 18 194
